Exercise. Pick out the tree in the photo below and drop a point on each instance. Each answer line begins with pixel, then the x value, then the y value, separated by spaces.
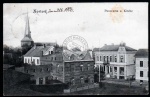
pixel 12 56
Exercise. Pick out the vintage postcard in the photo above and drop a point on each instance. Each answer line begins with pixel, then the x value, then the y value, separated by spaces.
pixel 75 49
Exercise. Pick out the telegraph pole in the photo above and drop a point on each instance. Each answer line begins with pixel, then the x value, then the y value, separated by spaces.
pixel 99 68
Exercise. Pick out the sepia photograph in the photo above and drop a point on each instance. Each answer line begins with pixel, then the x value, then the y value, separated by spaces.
pixel 75 49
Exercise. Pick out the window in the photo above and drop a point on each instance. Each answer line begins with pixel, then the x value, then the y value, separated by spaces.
pixel 107 58
pixel 104 59
pixel 115 69
pixel 27 71
pixel 25 60
pixel 55 58
pixel 100 58
pixel 33 61
pixel 57 70
pixel 121 58
pixel 47 69
pixel 141 73
pixel 81 80
pixel 33 70
pixel 81 67
pixel 115 58
pixel 110 58
pixel 51 58
pixel 72 81
pixel 51 52
pixel 86 80
pixel 141 63
pixel 88 67
pixel 121 70
pixel 28 60
pixel 97 58
pixel 110 69
pixel 37 61
pixel 141 81
pixel 40 81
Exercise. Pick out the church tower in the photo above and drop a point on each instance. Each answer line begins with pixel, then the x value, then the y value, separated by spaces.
pixel 27 40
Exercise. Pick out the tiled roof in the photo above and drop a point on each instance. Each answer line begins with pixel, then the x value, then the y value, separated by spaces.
pixel 113 48
pixel 142 53
pixel 36 52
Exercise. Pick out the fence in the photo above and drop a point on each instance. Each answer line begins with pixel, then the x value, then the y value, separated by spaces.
pixel 81 88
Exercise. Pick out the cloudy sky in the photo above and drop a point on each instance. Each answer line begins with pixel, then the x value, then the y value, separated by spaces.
pixel 89 20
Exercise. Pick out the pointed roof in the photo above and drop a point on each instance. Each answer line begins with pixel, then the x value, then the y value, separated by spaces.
pixel 27 34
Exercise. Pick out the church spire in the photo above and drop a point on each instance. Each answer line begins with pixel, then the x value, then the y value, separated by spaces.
pixel 27 28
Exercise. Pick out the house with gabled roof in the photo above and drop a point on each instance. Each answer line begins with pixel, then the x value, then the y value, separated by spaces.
pixel 142 65
pixel 117 61
pixel 35 53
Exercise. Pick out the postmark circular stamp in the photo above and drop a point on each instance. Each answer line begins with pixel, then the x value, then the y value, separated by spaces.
pixel 75 45
pixel 117 14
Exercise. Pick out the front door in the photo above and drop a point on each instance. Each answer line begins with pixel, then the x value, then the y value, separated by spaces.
pixel 40 81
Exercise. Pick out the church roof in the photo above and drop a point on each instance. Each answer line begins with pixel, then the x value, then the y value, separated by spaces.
pixel 142 53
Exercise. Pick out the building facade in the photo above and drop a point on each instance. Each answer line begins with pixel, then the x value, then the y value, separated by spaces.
pixel 142 65
pixel 117 61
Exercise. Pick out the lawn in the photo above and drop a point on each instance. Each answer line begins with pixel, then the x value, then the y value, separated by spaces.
pixel 112 89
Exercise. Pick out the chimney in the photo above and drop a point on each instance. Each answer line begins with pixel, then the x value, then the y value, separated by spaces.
pixel 41 53
pixel 44 45
pixel 105 44
pixel 91 53
pixel 34 46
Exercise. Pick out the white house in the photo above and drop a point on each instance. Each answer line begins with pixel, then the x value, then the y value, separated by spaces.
pixel 117 61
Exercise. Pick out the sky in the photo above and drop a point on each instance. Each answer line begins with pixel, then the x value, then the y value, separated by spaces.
pixel 88 20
